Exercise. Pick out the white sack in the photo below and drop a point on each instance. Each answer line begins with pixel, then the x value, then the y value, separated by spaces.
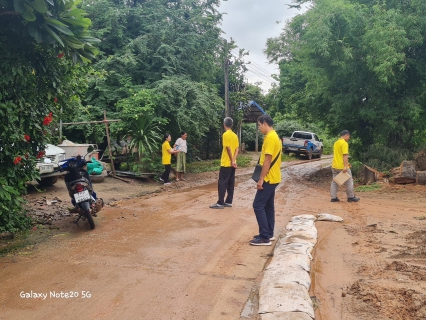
pixel 303 217
pixel 300 225
pixel 285 316
pixel 289 297
pixel 291 260
pixel 275 276
pixel 328 217
pixel 305 234
pixel 291 238
pixel 297 248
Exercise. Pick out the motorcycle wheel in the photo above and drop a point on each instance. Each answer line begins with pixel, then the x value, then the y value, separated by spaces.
pixel 86 208
pixel 89 219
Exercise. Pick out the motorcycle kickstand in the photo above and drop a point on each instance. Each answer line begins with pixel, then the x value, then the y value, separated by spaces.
pixel 79 217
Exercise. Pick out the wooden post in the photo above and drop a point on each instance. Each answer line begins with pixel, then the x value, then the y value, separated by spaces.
pixel 109 143
pixel 106 122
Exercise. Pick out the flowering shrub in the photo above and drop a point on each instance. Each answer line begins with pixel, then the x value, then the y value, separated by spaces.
pixel 26 112
pixel 36 79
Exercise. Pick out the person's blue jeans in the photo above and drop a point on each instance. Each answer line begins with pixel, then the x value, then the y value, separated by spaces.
pixel 264 209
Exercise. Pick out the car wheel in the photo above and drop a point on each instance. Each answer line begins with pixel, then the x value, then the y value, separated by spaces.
pixel 46 182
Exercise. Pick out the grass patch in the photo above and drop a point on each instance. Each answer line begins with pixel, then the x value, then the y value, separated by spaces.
pixel 214 165
pixel 369 187
pixel 287 158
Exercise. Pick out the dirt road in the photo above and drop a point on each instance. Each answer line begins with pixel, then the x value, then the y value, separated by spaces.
pixel 168 256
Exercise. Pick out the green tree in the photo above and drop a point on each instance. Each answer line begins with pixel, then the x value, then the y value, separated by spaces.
pixel 357 65
pixel 171 47
pixel 59 23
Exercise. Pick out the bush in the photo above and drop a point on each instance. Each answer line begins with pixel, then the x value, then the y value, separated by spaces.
pixel 356 168
pixel 214 165
pixel 383 158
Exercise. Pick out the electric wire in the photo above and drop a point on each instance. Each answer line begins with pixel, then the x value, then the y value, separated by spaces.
pixel 261 76
pixel 255 67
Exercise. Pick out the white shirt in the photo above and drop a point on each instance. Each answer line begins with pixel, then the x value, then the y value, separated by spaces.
pixel 182 145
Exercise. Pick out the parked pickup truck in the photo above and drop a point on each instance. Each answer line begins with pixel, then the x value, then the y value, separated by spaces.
pixel 301 142
pixel 48 166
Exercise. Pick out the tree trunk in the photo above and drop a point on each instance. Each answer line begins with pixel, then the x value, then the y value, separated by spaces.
pixel 421 177
pixel 404 180
pixel 370 175
pixel 408 169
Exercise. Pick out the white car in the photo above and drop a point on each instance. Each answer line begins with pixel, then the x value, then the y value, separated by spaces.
pixel 49 165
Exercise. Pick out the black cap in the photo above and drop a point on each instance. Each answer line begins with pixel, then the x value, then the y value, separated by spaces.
pixel 344 133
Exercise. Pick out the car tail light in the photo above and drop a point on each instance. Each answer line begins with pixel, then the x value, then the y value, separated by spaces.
pixel 306 143
pixel 79 187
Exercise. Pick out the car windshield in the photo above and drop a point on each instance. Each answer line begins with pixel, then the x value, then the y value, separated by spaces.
pixel 302 135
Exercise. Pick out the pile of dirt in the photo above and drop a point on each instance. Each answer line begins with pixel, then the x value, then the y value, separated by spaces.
pixel 392 302
pixel 416 273
pixel 44 210
pixel 321 176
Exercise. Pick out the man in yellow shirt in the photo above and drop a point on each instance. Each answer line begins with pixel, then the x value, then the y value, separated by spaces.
pixel 228 164
pixel 341 163
pixel 270 177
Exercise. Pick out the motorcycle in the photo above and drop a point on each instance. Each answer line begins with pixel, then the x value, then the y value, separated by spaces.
pixel 80 189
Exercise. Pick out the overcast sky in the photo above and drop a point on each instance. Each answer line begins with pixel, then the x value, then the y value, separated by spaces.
pixel 250 23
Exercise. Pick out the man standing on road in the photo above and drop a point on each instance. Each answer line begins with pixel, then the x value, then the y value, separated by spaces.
pixel 341 163
pixel 228 164
pixel 270 177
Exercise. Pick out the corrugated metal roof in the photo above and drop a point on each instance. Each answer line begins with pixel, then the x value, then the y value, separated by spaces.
pixel 252 111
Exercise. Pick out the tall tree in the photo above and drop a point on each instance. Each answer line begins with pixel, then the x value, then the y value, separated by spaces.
pixel 357 64
pixel 172 48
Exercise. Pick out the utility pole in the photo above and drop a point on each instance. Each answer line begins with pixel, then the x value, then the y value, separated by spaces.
pixel 225 67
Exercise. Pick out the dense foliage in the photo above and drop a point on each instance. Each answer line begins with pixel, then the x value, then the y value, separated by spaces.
pixel 163 60
pixel 357 65
pixel 159 69
pixel 36 80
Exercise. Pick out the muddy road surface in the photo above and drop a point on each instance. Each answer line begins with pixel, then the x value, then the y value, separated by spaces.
pixel 167 255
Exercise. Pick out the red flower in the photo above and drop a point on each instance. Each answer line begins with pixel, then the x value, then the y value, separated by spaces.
pixel 40 154
pixel 17 160
pixel 27 137
pixel 48 119
pixel 61 55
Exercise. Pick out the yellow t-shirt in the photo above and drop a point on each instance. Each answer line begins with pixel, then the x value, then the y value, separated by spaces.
pixel 340 148
pixel 167 157
pixel 229 139
pixel 272 145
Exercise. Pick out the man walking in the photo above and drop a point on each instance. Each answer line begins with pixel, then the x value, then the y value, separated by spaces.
pixel 270 177
pixel 228 164
pixel 341 163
